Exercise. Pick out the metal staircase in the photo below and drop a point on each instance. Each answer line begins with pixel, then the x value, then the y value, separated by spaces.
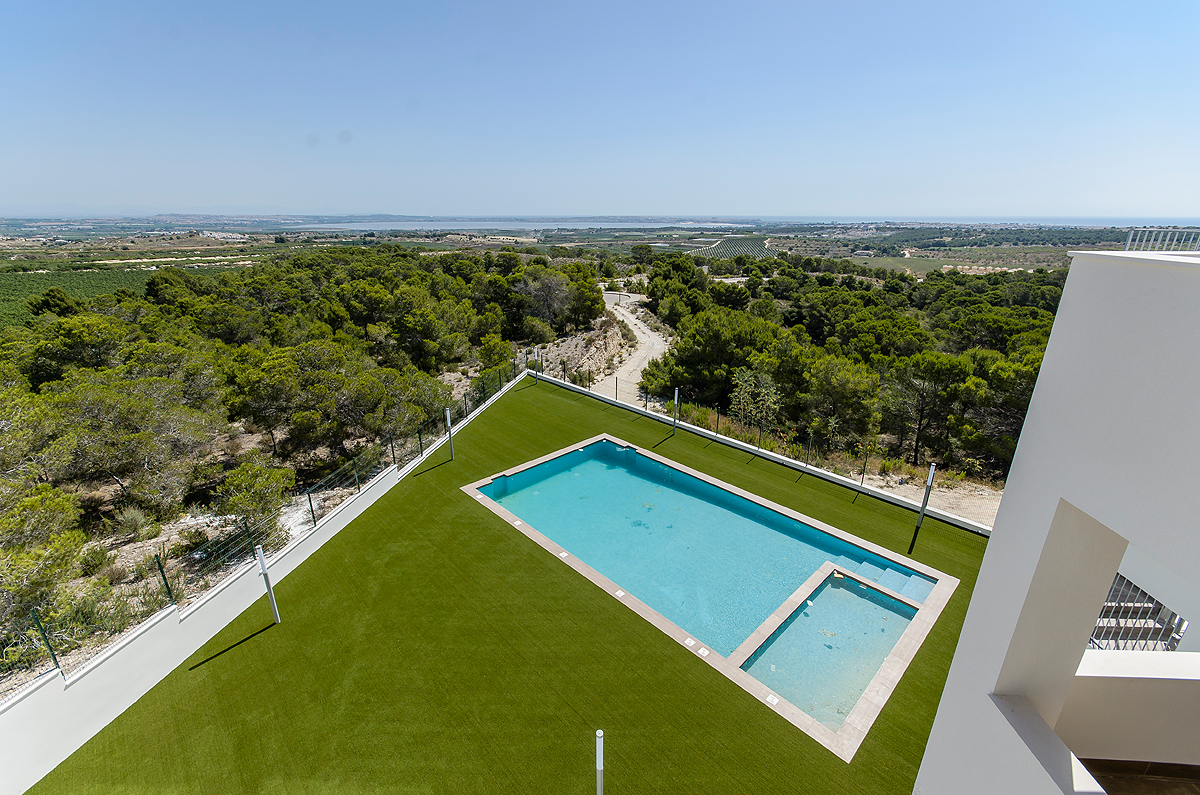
pixel 1134 620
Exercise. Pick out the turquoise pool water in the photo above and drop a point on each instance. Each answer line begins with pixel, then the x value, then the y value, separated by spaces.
pixel 712 562
pixel 824 655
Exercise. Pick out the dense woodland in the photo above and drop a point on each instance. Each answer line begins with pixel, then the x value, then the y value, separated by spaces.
pixel 118 402
pixel 841 355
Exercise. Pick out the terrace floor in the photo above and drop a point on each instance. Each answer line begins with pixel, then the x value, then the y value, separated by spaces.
pixel 431 647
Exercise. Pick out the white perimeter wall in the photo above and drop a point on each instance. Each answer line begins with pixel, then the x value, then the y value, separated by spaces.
pixel 50 719
pixel 1113 429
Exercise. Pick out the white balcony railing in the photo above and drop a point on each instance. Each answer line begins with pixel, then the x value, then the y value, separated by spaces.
pixel 1163 239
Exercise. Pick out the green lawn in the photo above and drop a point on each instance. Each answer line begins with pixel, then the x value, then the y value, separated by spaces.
pixel 430 647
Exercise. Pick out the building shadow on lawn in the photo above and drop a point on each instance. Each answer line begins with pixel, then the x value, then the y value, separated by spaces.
pixel 233 646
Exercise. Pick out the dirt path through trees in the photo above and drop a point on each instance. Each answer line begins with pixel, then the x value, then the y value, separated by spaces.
pixel 650 345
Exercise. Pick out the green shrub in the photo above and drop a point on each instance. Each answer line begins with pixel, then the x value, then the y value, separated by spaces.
pixel 494 351
pixel 189 539
pixel 536 331
pixel 130 519
pixel 113 573
pixel 256 490
pixel 152 530
pixel 93 559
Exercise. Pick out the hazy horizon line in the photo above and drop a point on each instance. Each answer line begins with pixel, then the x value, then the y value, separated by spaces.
pixel 665 218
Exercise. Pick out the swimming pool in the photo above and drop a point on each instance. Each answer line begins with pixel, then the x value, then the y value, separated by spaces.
pixel 728 573
pixel 823 657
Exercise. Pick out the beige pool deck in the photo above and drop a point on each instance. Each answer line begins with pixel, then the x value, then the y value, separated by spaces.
pixel 844 742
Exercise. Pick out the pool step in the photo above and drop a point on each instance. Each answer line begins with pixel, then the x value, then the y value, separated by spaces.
pixel 869 571
pixel 917 588
pixel 914 587
pixel 893 580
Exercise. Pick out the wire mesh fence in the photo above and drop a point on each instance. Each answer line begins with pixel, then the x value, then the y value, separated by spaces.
pixel 23 657
pixel 953 492
pixel 78 622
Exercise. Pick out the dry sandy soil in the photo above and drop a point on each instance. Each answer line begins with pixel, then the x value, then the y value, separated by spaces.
pixel 623 382
pixel 968 500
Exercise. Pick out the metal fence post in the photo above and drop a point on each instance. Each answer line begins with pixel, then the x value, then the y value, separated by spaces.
pixel 392 445
pixel 246 528
pixel 162 572
pixel 450 434
pixel 45 639
pixel 676 423
pixel 599 762
pixel 262 565
pixel 420 441
pixel 924 502
pixel 357 485
pixel 311 509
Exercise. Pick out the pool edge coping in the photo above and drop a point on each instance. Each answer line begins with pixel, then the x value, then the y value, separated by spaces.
pixel 843 743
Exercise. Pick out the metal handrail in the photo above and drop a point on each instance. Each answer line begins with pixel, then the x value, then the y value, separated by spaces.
pixel 1133 619
pixel 1150 238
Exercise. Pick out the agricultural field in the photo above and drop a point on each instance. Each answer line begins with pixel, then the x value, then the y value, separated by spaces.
pixel 1027 257
pixel 812 247
pixel 753 246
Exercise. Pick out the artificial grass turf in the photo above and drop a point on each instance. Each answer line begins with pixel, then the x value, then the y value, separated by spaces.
pixel 430 647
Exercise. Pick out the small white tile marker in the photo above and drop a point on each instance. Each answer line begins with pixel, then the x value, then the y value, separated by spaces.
pixel 772 700
pixel 690 642
pixel 703 652
pixel 599 762
pixel 620 593
pixel 562 554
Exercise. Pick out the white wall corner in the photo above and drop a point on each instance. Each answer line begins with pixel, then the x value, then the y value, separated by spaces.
pixel 1070 583
pixel 1062 767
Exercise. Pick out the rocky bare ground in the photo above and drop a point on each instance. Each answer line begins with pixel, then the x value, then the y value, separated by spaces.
pixel 599 350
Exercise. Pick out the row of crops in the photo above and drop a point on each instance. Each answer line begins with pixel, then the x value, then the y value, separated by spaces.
pixel 730 247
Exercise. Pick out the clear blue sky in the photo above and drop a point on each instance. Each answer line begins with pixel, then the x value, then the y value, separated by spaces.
pixel 751 108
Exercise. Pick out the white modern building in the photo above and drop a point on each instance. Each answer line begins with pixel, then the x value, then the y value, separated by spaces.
pixel 1106 480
